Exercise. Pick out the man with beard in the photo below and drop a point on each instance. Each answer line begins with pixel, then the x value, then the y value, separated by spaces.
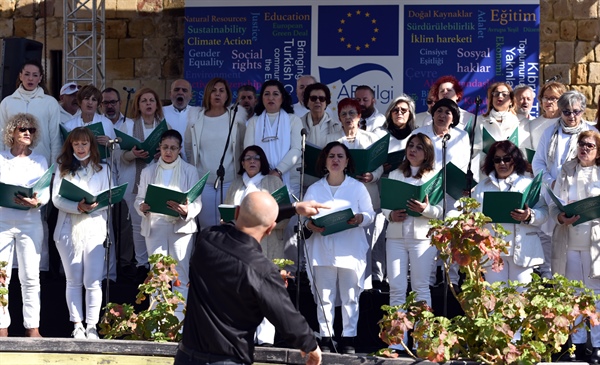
pixel 176 114
pixel 524 95
pixel 111 107
pixel 246 98
pixel 68 102
pixel 371 119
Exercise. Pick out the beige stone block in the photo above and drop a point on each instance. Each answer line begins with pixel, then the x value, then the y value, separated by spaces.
pixel 115 28
pixel 586 90
pixel 25 8
pixel 597 96
pixel 131 48
pixel 594 75
pixel 119 69
pixel 54 44
pixel 174 4
pixel 581 73
pixel 562 9
pixel 157 85
pixel 149 6
pixel 589 114
pixel 568 30
pixel 24 27
pixel 111 48
pixel 6 28
pixel 565 52
pixel 547 50
pixel 146 68
pixel 7 8
pixel 142 27
pixel 585 9
pixel 173 69
pixel 166 28
pixel 549 31
pixel 48 10
pixel 584 52
pixel 546 11
pixel 156 47
pixel 558 69
pixel 53 27
pixel 587 30
pixel 110 9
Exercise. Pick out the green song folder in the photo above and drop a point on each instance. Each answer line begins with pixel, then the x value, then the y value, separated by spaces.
pixel 149 145
pixel 587 209
pixel 97 129
pixel 488 140
pixel 498 204
pixel 395 194
pixel 72 192
pixel 9 191
pixel 158 196
pixel 335 222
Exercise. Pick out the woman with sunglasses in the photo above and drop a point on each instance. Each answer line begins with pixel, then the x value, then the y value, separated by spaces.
pixel 505 168
pixel 499 121
pixel 165 234
pixel 558 144
pixel 575 248
pixel 213 137
pixel 276 130
pixel 400 121
pixel 20 233
pixel 253 175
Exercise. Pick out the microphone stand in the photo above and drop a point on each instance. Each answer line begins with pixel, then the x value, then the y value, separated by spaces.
pixel 108 242
pixel 444 210
pixel 472 140
pixel 299 242
pixel 221 169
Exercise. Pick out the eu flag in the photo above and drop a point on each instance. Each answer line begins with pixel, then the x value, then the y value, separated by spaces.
pixel 369 30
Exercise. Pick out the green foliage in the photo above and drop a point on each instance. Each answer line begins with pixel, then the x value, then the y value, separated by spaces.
pixel 282 263
pixel 158 322
pixel 542 311
pixel 3 285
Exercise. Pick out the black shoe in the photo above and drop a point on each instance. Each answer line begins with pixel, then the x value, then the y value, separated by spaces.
pixel 325 344
pixel 595 357
pixel 348 345
pixel 580 353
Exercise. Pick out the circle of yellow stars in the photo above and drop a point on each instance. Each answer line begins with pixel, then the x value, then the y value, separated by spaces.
pixel 344 22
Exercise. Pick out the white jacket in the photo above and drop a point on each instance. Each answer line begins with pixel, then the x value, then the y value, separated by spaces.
pixel 525 246
pixel 189 177
pixel 107 125
pixel 420 224
pixel 47 111
pixel 346 249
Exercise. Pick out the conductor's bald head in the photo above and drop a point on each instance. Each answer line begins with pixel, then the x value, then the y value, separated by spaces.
pixel 256 214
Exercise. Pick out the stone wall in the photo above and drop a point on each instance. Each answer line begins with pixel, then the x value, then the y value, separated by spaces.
pixel 144 40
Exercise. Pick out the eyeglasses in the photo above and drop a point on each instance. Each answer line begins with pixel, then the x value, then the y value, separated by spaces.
pixel 314 98
pixel 551 99
pixel 351 113
pixel 567 113
pixel 505 159
pixel 110 102
pixel 397 110
pixel 250 158
pixel 503 94
pixel 586 145
pixel 25 129
pixel 171 148
pixel 430 102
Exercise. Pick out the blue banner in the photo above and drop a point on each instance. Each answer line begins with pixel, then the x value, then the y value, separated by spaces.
pixel 246 45
pixel 478 44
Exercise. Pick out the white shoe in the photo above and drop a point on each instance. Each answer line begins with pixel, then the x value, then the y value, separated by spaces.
pixel 91 333
pixel 79 332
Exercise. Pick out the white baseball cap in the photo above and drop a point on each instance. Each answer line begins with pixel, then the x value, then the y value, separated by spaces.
pixel 69 88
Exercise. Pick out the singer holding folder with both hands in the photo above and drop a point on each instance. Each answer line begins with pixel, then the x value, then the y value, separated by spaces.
pixel 339 260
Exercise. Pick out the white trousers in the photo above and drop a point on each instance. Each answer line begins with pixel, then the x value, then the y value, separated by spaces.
pixel 164 241
pixel 209 215
pixel 24 237
pixel 417 254
pixel 511 271
pixel 330 280
pixel 139 243
pixel 84 270
pixel 578 268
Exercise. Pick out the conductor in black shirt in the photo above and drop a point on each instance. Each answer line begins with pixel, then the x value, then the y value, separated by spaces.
pixel 233 286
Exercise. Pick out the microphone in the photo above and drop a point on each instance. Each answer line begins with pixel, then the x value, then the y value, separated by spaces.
pixel 554 78
pixel 116 140
pixel 446 137
pixel 129 90
pixel 235 107
pixel 303 132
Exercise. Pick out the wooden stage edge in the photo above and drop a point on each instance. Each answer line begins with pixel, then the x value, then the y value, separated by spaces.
pixel 66 351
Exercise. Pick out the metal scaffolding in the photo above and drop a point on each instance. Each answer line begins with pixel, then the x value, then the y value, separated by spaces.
pixel 84 42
